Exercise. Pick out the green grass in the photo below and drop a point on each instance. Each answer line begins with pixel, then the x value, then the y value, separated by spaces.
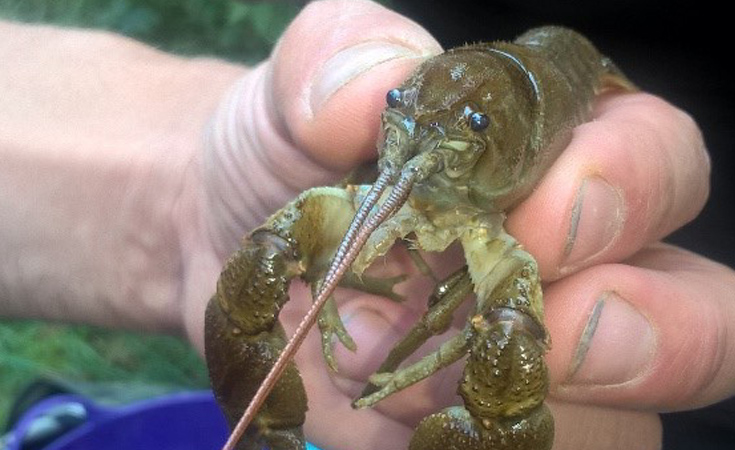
pixel 235 30
pixel 85 355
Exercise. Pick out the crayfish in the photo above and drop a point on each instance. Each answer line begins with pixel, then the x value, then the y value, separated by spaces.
pixel 465 138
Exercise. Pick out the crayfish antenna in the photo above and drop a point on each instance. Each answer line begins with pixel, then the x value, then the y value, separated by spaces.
pixel 397 197
pixel 357 223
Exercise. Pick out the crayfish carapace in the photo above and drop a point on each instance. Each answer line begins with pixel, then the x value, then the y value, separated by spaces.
pixel 466 137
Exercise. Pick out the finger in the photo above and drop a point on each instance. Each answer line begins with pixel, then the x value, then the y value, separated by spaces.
pixel 585 426
pixel 656 335
pixel 631 176
pixel 347 55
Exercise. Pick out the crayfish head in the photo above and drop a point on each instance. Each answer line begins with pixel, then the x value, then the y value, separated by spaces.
pixel 474 107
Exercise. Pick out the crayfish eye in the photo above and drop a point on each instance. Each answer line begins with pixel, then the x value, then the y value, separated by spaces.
pixel 478 121
pixel 393 97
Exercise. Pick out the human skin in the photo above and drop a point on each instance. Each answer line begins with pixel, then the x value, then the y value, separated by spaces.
pixel 128 176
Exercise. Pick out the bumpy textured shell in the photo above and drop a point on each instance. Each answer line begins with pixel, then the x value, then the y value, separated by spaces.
pixel 534 91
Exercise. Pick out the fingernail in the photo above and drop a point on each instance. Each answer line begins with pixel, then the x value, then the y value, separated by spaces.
pixel 616 346
pixel 597 218
pixel 349 63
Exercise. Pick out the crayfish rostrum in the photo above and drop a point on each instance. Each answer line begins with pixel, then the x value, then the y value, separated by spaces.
pixel 465 138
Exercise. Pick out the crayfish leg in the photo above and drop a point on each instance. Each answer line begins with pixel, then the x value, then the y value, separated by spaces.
pixel 501 263
pixel 330 323
pixel 448 353
pixel 505 379
pixel 448 295
pixel 380 286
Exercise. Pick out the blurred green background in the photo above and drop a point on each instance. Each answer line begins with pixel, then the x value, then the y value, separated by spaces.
pixel 235 30
pixel 241 31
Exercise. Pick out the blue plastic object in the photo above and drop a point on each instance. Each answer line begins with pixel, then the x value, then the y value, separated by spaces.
pixel 183 421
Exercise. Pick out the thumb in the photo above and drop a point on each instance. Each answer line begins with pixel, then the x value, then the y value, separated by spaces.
pixel 308 114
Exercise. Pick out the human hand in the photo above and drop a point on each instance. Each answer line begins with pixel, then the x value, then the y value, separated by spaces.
pixel 640 297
